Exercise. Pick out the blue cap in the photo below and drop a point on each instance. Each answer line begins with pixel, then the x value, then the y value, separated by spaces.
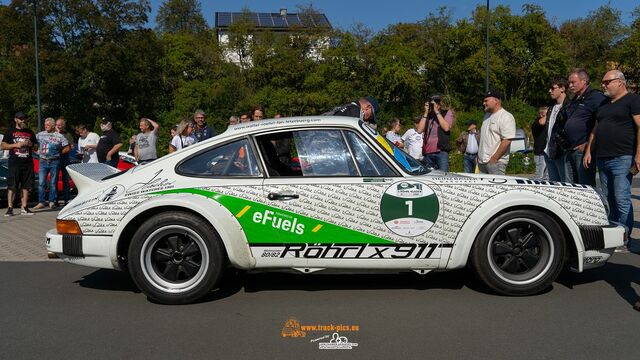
pixel 374 104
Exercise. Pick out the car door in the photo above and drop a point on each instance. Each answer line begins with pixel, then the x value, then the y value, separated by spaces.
pixel 333 201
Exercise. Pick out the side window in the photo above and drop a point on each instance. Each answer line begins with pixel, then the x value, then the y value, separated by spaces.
pixel 234 159
pixel 368 161
pixel 307 153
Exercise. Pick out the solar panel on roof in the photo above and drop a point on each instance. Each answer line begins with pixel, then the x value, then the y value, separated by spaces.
pixel 279 21
pixel 265 19
pixel 292 19
pixel 223 19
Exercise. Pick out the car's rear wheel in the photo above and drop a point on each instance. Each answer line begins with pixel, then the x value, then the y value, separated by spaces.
pixel 519 252
pixel 176 258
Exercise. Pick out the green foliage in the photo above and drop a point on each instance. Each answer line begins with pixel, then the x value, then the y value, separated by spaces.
pixel 96 58
pixel 176 16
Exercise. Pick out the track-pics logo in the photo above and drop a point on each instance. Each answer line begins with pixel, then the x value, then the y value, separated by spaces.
pixel 332 341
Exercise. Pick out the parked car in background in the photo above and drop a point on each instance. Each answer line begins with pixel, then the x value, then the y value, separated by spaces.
pixel 520 143
pixel 126 161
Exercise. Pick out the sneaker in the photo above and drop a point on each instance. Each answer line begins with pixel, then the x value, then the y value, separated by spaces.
pixel 39 206
pixel 25 211
pixel 622 249
pixel 9 212
pixel 52 205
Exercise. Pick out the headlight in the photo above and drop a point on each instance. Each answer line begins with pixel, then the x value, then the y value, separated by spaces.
pixel 604 200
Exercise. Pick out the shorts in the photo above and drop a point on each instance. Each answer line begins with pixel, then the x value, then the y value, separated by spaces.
pixel 20 176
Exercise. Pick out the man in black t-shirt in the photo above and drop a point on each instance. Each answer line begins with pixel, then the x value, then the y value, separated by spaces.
pixel 365 108
pixel 109 144
pixel 20 142
pixel 617 150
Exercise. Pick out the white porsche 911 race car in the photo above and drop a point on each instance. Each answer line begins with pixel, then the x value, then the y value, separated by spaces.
pixel 315 193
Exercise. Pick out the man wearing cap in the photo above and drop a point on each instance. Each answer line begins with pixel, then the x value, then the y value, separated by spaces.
pixel 498 128
pixel 365 109
pixel 109 144
pixel 436 141
pixel 20 142
pixel 467 144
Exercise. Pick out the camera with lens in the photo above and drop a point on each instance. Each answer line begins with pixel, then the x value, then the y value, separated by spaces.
pixel 434 99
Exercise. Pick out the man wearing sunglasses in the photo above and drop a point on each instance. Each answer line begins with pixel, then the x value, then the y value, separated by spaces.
pixel 616 149
pixel 579 118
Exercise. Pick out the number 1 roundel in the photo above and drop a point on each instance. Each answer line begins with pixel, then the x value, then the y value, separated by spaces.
pixel 409 208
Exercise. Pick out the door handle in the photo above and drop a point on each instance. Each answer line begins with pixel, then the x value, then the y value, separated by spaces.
pixel 277 196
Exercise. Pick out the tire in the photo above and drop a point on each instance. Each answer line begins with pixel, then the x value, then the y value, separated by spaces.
pixel 519 253
pixel 176 258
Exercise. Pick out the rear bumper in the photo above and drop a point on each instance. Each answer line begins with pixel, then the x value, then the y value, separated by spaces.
pixel 87 250
pixel 600 243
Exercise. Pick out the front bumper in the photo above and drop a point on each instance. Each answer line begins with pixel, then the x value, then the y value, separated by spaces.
pixel 600 243
pixel 87 250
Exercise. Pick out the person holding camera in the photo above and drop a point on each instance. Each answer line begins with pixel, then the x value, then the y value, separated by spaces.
pixel 580 120
pixel 436 143
pixel 554 155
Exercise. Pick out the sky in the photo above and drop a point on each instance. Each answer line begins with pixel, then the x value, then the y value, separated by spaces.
pixel 378 14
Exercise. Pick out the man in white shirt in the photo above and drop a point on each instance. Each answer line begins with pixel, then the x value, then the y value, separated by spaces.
pixel 87 144
pixel 413 138
pixel 498 128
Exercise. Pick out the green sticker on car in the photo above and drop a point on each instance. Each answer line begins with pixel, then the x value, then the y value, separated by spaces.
pixel 409 208
pixel 265 224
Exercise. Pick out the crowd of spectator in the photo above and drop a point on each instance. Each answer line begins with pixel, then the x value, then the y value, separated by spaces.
pixel 581 129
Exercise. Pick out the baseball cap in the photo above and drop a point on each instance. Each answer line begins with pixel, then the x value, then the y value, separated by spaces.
pixel 493 93
pixel 20 115
pixel 374 104
pixel 105 120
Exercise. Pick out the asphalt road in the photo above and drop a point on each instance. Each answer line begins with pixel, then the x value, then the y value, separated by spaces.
pixel 58 310
pixel 55 310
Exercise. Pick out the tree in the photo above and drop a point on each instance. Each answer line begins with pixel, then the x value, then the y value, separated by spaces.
pixel 177 16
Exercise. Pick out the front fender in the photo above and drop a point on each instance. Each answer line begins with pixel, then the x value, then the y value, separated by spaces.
pixel 498 203
pixel 229 229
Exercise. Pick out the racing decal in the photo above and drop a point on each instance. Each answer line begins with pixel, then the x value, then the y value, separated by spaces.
pixel 350 251
pixel 266 224
pixel 409 208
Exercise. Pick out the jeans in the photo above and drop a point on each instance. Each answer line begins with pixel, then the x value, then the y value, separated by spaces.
pixel 616 180
pixel 51 168
pixel 556 167
pixel 493 169
pixel 439 160
pixel 576 173
pixel 469 163
pixel 64 161
pixel 541 168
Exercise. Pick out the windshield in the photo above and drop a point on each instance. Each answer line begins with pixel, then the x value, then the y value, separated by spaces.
pixel 411 165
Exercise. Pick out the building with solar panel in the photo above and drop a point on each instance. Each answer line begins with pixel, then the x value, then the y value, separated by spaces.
pixel 281 23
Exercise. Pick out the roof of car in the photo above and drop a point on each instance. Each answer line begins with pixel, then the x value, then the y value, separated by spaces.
pixel 296 121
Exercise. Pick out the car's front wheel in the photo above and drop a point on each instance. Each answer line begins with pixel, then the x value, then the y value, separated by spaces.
pixel 176 258
pixel 519 252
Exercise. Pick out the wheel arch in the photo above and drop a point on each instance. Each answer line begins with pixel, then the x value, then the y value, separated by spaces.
pixel 511 201
pixel 231 234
